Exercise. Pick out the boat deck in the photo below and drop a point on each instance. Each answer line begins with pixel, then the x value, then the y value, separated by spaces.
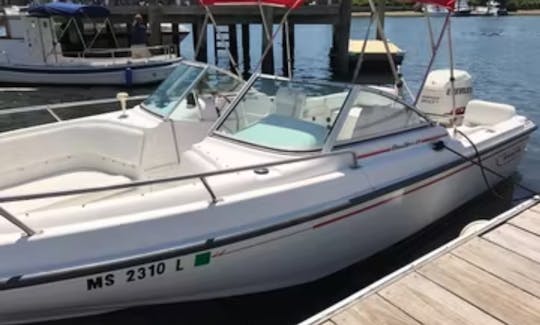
pixel 489 276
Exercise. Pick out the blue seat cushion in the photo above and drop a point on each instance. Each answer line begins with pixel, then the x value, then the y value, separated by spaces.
pixel 283 132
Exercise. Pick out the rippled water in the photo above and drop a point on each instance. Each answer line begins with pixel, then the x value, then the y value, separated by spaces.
pixel 499 52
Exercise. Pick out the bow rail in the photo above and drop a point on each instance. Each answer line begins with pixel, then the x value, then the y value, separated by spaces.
pixel 49 108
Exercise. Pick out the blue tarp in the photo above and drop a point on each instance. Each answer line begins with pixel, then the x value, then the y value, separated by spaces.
pixel 68 9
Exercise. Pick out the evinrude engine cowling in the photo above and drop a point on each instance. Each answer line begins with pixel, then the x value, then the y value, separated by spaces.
pixel 436 97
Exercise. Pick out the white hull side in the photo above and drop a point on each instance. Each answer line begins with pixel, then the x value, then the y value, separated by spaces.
pixel 294 255
pixel 117 76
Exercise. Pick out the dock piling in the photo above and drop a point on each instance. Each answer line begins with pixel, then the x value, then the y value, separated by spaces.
pixel 245 50
pixel 341 35
pixel 288 29
pixel 155 17
pixel 200 40
pixel 381 9
pixel 175 31
pixel 267 29
pixel 233 45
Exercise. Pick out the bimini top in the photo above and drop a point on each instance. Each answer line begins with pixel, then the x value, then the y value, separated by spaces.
pixel 68 9
pixel 276 3
pixel 449 4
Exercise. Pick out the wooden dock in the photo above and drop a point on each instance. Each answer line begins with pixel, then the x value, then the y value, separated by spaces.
pixel 489 276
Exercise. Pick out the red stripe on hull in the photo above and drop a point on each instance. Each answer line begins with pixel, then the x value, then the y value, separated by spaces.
pixel 376 152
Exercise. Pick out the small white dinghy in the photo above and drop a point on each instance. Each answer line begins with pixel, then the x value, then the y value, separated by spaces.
pixel 296 180
pixel 31 53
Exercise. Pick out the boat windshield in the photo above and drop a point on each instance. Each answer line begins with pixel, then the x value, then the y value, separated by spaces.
pixel 285 115
pixel 190 90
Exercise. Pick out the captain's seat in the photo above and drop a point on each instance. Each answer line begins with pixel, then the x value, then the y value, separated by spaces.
pixel 289 102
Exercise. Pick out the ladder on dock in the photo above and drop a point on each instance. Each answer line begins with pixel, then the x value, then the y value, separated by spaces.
pixel 221 43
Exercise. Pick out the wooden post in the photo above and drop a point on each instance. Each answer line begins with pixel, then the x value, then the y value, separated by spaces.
pixel 381 8
pixel 203 51
pixel 129 30
pixel 155 16
pixel 341 38
pixel 284 48
pixel 175 37
pixel 245 50
pixel 233 44
pixel 268 61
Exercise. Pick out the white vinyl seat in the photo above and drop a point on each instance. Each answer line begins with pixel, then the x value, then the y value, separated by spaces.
pixel 72 146
pixel 289 102
pixel 347 131
pixel 480 112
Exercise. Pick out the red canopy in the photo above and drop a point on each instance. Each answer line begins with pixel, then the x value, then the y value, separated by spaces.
pixel 297 3
pixel 448 4
pixel 276 3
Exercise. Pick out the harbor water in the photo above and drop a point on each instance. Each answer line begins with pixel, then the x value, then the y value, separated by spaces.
pixel 499 53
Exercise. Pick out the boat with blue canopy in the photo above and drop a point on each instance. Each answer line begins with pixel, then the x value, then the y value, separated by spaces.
pixel 45 44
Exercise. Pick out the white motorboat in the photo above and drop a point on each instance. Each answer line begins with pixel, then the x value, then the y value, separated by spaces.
pixel 31 50
pixel 492 8
pixel 295 181
pixel 435 10
pixel 462 8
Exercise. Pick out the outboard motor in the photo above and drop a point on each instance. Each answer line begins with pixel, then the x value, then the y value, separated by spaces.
pixel 436 97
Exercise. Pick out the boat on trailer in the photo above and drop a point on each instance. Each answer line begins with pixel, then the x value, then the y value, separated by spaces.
pixel 179 200
pixel 35 50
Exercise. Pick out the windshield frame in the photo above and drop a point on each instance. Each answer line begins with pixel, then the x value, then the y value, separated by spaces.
pixel 248 85
pixel 334 143
pixel 205 67
pixel 330 143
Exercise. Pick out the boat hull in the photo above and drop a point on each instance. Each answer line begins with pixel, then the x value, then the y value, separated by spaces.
pixel 84 75
pixel 462 13
pixel 278 256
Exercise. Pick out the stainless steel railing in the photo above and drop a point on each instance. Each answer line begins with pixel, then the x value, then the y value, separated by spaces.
pixel 201 176
pixel 168 50
pixel 28 231
pixel 51 107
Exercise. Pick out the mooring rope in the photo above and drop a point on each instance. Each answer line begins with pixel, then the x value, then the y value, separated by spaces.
pixel 441 144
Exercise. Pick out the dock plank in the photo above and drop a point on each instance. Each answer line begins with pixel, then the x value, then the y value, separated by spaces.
pixel 505 264
pixel 528 220
pixel 429 303
pixel 517 240
pixel 489 293
pixel 372 310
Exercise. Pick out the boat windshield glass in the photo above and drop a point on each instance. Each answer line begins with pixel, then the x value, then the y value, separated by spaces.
pixel 285 115
pixel 374 114
pixel 191 90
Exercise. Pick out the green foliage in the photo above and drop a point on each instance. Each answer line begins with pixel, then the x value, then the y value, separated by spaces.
pixel 523 4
